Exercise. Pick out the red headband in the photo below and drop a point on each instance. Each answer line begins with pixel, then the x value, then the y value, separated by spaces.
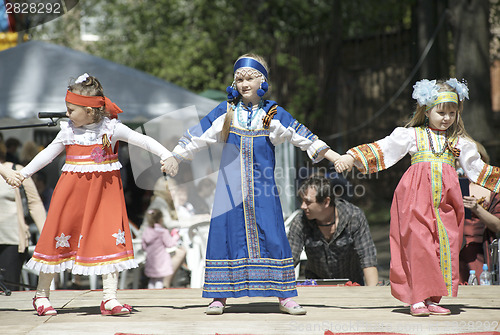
pixel 94 101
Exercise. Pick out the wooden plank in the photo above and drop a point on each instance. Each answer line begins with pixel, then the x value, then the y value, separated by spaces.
pixel 181 311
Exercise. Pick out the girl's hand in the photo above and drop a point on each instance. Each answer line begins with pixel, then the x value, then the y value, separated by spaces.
pixel 170 166
pixel 13 178
pixel 331 155
pixel 345 162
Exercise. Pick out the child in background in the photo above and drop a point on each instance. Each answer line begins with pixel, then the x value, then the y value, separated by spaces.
pixel 155 241
pixel 87 228
pixel 427 213
pixel 248 253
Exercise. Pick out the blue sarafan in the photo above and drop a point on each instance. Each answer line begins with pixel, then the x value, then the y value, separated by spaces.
pixel 248 253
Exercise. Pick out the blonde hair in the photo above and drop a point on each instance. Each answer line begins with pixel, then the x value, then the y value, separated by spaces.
pixel 229 116
pixel 154 215
pixel 91 87
pixel 457 129
pixel 482 152
pixel 161 189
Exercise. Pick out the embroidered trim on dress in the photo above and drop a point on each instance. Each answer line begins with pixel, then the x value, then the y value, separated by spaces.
pixel 247 188
pixel 371 157
pixel 428 156
pixel 263 274
pixel 436 165
pixel 249 133
pixel 490 178
pixel 303 131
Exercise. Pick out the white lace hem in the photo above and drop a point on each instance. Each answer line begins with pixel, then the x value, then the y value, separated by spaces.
pixel 81 270
pixel 92 167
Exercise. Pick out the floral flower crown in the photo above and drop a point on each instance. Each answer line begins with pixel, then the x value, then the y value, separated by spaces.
pixel 426 92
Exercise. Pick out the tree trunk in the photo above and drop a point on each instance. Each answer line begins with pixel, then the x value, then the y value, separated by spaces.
pixel 426 24
pixel 471 35
pixel 426 17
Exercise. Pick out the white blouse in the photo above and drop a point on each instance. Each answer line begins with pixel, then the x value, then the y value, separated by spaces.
pixel 278 133
pixel 89 135
pixel 403 141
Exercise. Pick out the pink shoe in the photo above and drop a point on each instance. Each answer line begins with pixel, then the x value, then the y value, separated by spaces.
pixel 291 307
pixel 216 307
pixel 438 310
pixel 420 311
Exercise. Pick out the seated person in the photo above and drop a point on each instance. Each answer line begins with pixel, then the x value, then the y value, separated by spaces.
pixel 335 235
pixel 481 229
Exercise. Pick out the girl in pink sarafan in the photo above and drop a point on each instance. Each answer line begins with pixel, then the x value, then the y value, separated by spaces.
pixel 155 241
pixel 427 213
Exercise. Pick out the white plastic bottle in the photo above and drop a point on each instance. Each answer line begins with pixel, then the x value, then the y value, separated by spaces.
pixel 472 278
pixel 485 277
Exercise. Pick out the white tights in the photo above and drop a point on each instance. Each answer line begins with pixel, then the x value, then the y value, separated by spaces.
pixel 43 289
pixel 109 288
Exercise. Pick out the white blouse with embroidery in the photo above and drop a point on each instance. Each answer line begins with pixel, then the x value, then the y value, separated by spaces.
pixel 278 133
pixel 403 141
pixel 89 135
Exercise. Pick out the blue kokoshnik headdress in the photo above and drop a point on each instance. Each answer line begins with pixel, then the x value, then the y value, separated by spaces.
pixel 247 62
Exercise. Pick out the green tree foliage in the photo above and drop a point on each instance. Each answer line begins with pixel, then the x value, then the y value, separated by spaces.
pixel 194 43
pixel 190 43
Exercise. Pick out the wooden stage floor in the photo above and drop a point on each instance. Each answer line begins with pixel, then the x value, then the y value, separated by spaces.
pixel 181 311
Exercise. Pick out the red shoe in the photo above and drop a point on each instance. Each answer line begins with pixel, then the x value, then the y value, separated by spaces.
pixel 438 310
pixel 42 310
pixel 421 311
pixel 117 310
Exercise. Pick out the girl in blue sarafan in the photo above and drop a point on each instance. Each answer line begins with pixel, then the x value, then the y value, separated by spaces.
pixel 248 253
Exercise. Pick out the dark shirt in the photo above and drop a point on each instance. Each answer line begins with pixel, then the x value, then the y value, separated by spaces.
pixel 350 250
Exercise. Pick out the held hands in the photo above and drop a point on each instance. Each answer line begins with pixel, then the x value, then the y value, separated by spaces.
pixel 170 166
pixel 13 178
pixel 329 154
pixel 345 162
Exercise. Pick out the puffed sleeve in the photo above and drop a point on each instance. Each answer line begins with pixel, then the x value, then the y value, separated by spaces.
pixel 203 134
pixel 475 169
pixel 384 153
pixel 284 127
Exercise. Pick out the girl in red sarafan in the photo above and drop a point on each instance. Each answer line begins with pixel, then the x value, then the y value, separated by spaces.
pixel 87 227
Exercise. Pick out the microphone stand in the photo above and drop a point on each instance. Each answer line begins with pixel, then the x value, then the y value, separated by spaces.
pixel 51 123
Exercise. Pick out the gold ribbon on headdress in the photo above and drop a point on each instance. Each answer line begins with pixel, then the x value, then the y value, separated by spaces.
pixel 444 97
